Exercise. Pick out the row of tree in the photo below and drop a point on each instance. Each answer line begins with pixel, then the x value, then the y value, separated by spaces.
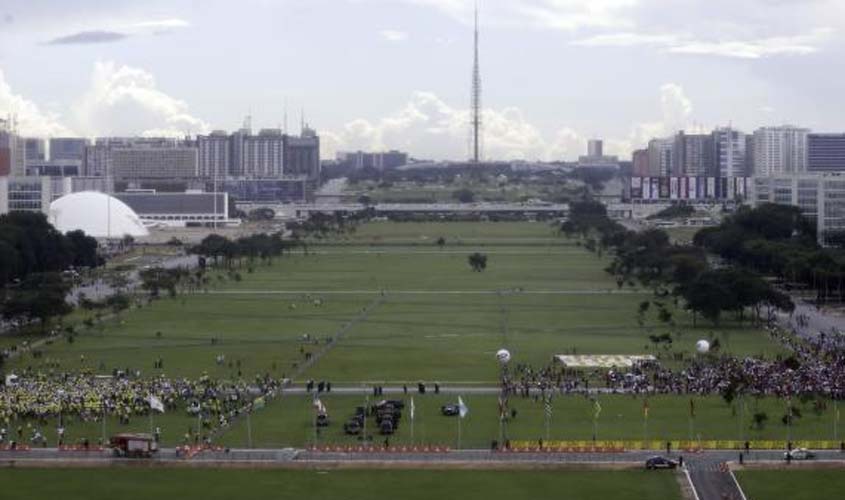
pixel 263 247
pixel 778 241
pixel 679 271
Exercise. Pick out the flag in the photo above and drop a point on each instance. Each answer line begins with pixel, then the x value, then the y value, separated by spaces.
pixel 259 403
pixel 597 409
pixel 548 401
pixel 463 410
pixel 413 408
pixel 645 409
pixel 156 404
pixel 691 408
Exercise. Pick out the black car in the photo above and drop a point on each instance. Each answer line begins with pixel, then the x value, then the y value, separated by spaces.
pixel 450 410
pixel 322 420
pixel 660 463
pixel 353 427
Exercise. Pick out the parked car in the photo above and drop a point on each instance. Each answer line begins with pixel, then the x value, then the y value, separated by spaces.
pixel 322 420
pixel 450 410
pixel 660 463
pixel 799 454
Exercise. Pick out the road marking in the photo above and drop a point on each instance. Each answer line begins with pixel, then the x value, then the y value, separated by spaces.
pixel 691 485
pixel 738 487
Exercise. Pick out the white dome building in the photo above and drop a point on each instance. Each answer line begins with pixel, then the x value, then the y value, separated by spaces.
pixel 98 214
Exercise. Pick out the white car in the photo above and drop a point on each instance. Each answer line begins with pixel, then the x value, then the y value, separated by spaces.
pixel 799 454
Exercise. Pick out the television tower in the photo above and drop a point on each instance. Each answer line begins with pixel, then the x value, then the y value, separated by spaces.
pixel 476 98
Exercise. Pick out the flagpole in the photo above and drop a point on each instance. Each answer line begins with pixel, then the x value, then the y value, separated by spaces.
pixel 249 430
pixel 835 420
pixel 459 431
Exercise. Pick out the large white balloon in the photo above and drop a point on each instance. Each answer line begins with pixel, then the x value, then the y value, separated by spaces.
pixel 504 356
pixel 702 346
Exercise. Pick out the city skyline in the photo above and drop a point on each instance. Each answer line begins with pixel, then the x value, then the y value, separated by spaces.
pixel 375 75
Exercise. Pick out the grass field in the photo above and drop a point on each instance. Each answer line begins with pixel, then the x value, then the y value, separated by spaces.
pixel 429 317
pixel 130 484
pixel 794 484
pixel 289 421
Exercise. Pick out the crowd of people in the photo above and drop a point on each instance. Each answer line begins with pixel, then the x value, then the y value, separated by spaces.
pixel 34 400
pixel 815 366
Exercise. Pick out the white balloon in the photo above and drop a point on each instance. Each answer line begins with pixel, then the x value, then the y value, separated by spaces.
pixel 702 346
pixel 503 356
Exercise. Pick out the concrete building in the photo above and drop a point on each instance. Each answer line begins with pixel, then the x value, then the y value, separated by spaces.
pixel 826 152
pixel 302 155
pixel 379 160
pixel 692 155
pixel 640 163
pixel 821 198
pixel 12 151
pixel 729 153
pixel 595 148
pixel 215 155
pixel 68 148
pixel 51 168
pixel 30 194
pixel 35 150
pixel 179 209
pixel 779 150
pixel 595 157
pixel 661 154
pixel 136 159
pixel 263 155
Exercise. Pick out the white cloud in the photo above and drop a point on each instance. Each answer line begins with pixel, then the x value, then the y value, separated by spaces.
pixel 172 23
pixel 126 100
pixel 393 35
pixel 429 127
pixel 751 48
pixel 567 15
pixel 32 121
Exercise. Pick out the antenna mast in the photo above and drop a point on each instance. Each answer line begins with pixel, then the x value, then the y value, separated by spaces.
pixel 476 97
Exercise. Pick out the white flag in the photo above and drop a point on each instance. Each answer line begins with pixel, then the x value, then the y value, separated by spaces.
pixel 156 404
pixel 412 408
pixel 462 408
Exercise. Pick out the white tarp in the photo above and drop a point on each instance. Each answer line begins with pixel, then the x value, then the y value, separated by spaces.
pixel 601 360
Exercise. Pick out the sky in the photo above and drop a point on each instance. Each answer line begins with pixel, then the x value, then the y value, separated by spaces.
pixel 395 74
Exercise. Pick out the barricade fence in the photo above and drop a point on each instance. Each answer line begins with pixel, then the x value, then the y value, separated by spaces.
pixel 600 446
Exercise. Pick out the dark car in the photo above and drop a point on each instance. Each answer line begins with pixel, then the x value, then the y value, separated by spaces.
pixel 386 427
pixel 450 410
pixel 322 420
pixel 353 427
pixel 660 463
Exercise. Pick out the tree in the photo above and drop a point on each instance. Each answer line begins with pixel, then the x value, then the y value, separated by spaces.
pixel 441 242
pixel 759 420
pixel 478 262
pixel 40 297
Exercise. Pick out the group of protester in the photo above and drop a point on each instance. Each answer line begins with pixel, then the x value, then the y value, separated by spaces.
pixel 814 366
pixel 36 399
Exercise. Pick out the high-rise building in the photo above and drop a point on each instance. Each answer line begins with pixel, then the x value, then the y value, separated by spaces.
pixel 780 150
pixel 692 155
pixel 729 151
pixel 35 150
pixel 640 163
pixel 826 152
pixel 661 154
pixel 263 155
pixel 302 155
pixel 381 160
pixel 595 148
pixel 141 158
pixel 215 155
pixel 68 148
pixel 12 151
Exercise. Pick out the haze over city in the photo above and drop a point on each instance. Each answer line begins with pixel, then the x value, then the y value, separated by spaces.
pixel 378 74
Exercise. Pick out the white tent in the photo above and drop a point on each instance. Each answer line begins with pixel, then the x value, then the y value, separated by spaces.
pixel 97 214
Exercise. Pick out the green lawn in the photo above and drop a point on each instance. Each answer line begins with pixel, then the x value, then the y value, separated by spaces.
pixel 288 421
pixel 438 319
pixel 184 484
pixel 794 484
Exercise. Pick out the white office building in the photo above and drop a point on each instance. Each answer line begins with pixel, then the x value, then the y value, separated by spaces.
pixel 821 198
pixel 780 150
